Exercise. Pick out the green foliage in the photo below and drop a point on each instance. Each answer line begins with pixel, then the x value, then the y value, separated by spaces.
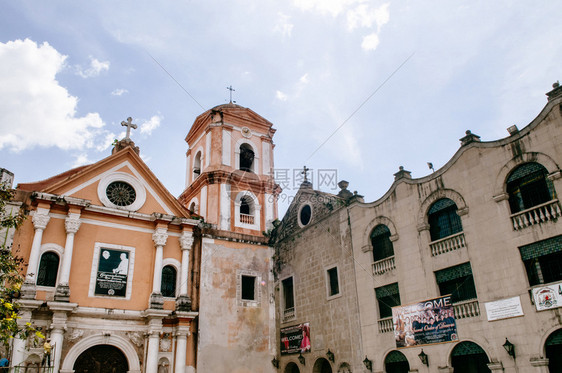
pixel 11 277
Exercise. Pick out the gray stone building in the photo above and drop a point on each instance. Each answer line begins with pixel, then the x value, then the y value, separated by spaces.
pixel 457 271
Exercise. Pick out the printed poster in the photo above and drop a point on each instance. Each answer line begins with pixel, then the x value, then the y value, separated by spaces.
pixel 113 269
pixel 504 309
pixel 295 339
pixel 427 322
pixel 548 297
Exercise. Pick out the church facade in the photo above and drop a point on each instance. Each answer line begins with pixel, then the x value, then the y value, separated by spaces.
pixel 457 271
pixel 122 276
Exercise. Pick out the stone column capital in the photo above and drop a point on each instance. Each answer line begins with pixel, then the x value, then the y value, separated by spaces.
pixel 186 240
pixel 40 219
pixel 72 223
pixel 160 236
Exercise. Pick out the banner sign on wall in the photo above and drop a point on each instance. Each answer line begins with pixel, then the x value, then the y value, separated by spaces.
pixel 295 339
pixel 427 322
pixel 504 309
pixel 113 268
pixel 548 297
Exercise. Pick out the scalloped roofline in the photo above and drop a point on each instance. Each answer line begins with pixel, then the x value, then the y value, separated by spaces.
pixel 550 105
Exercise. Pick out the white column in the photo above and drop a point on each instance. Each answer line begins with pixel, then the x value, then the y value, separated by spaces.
pixel 152 353
pixel 181 347
pixel 159 237
pixel 18 347
pixel 71 224
pixel 40 221
pixel 186 241
pixel 57 337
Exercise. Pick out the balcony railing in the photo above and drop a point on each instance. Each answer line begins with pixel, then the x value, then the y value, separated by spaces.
pixel 246 219
pixel 384 265
pixel 467 308
pixel 386 325
pixel 536 215
pixel 450 243
pixel 288 314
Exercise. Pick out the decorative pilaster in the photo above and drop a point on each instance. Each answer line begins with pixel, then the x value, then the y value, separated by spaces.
pixel 24 316
pixel 40 220
pixel 183 303
pixel 154 330
pixel 71 224
pixel 58 328
pixel 182 333
pixel 159 237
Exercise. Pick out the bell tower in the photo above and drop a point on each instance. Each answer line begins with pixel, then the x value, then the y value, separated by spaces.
pixel 229 171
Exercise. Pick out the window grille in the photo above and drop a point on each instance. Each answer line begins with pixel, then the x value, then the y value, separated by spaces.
pixel 387 296
pixel 528 186
pixel 443 219
pixel 48 269
pixel 168 282
pixel 457 281
pixel 543 260
pixel 382 246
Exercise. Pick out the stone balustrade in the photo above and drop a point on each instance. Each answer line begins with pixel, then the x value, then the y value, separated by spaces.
pixel 386 325
pixel 536 215
pixel 384 265
pixel 467 308
pixel 450 243
pixel 246 219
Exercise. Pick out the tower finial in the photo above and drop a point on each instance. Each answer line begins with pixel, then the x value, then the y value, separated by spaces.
pixel 231 90
pixel 129 124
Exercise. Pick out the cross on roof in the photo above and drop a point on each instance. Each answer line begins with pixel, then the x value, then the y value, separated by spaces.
pixel 129 124
pixel 305 172
pixel 231 90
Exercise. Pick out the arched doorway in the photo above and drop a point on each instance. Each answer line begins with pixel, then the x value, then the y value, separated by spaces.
pixel 396 362
pixel 292 368
pixel 101 359
pixel 468 357
pixel 322 366
pixel 553 351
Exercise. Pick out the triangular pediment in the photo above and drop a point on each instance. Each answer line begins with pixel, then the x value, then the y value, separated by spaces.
pixel 142 191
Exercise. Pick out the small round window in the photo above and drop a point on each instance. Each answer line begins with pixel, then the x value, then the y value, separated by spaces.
pixel 305 215
pixel 120 193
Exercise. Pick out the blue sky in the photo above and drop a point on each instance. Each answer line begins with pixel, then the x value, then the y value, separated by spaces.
pixel 70 72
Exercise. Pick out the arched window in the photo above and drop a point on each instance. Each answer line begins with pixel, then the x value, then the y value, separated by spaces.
pixel 469 357
pixel 168 285
pixel 247 210
pixel 528 186
pixel 553 348
pixel 197 166
pixel 193 208
pixel 246 158
pixel 48 269
pixel 443 219
pixel 382 246
pixel 396 362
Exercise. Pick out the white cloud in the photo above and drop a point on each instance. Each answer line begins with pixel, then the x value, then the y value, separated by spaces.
pixel 332 7
pixel 283 25
pixel 280 96
pixel 365 16
pixel 304 79
pixel 119 92
pixel 370 42
pixel 34 109
pixel 96 67
pixel 81 160
pixel 150 125
pixel 107 141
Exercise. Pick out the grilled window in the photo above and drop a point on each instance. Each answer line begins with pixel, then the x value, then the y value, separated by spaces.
pixel 387 297
pixel 457 281
pixel 543 260
pixel 382 246
pixel 168 283
pixel 528 186
pixel 48 269
pixel 443 219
